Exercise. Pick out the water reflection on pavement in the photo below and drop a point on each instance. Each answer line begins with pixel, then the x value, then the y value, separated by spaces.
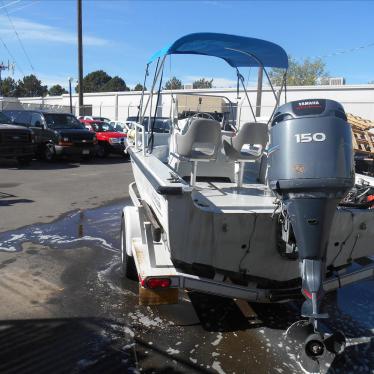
pixel 203 333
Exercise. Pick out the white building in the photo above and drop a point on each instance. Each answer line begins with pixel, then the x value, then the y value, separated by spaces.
pixel 356 99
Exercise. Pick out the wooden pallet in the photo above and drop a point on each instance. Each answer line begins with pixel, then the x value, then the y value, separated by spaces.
pixel 363 139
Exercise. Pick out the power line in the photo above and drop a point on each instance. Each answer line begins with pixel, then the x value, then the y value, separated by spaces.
pixel 10 54
pixel 6 5
pixel 344 51
pixel 16 9
pixel 18 37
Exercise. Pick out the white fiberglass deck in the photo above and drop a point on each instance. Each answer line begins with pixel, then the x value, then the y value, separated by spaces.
pixel 227 198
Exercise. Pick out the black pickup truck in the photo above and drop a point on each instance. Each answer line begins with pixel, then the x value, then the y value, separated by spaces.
pixel 56 134
pixel 16 141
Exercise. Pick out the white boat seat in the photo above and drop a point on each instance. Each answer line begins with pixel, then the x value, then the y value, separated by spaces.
pixel 200 142
pixel 246 146
pixel 254 134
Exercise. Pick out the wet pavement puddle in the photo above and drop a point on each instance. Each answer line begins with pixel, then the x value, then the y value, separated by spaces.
pixel 99 227
pixel 203 333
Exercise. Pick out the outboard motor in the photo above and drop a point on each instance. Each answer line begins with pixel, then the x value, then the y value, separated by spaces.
pixel 310 169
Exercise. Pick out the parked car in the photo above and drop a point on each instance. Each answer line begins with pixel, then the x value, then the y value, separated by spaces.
pixel 109 140
pixel 16 141
pixel 56 134
pixel 120 126
pixel 161 129
pixel 94 118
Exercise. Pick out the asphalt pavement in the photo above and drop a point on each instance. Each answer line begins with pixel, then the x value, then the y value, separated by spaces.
pixel 64 307
pixel 42 191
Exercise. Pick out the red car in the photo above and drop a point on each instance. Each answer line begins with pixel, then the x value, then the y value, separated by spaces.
pixel 109 140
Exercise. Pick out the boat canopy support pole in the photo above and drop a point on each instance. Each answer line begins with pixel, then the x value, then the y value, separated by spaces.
pixel 143 89
pixel 261 65
pixel 241 78
pixel 158 71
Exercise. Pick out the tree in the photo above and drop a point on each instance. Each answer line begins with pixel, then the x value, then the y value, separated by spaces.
pixel 31 86
pixel 9 87
pixel 94 82
pixel 100 81
pixel 308 73
pixel 115 84
pixel 139 87
pixel 203 83
pixel 173 84
pixel 57 90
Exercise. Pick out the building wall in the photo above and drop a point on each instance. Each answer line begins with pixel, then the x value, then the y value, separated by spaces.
pixel 356 99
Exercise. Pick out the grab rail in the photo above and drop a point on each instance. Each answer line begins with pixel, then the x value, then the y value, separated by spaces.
pixel 138 125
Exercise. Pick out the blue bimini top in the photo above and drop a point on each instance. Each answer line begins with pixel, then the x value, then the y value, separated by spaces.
pixel 235 50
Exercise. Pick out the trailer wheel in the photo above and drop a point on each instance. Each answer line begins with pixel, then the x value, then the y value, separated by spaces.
pixel 127 262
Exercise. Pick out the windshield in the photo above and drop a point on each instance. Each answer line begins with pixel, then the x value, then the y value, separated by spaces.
pixel 132 119
pixel 103 127
pixel 62 121
pixel 4 118
pixel 101 119
pixel 161 125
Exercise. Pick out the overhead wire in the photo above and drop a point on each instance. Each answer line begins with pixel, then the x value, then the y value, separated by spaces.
pixel 18 37
pixel 12 3
pixel 11 56
pixel 344 51
pixel 18 8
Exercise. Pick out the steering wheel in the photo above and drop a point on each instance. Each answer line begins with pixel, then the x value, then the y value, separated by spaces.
pixel 199 115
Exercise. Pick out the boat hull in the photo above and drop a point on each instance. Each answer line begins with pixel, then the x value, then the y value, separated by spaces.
pixel 243 242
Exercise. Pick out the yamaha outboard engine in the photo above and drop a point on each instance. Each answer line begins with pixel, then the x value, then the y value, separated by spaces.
pixel 310 170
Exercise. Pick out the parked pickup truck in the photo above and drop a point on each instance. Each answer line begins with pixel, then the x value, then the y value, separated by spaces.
pixel 56 134
pixel 109 140
pixel 16 141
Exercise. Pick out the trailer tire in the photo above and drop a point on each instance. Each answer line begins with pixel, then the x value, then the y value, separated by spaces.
pixel 128 266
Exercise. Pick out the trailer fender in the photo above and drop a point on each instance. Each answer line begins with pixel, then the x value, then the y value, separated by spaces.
pixel 130 228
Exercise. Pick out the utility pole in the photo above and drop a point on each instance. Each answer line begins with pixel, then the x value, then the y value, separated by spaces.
pixel 80 59
pixel 259 91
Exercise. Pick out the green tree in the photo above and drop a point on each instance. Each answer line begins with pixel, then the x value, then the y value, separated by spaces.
pixel 308 73
pixel 100 81
pixel 57 90
pixel 31 86
pixel 203 83
pixel 173 84
pixel 139 87
pixel 9 87
pixel 115 84
pixel 94 82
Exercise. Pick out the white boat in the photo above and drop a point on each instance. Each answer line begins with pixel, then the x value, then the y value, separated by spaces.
pixel 257 211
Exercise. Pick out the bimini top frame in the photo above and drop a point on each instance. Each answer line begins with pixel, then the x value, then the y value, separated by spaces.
pixel 237 51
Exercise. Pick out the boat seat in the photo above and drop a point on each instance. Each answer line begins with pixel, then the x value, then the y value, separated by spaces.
pixel 200 143
pixel 246 146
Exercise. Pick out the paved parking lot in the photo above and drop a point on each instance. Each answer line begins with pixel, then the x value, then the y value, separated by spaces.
pixel 63 301
pixel 42 192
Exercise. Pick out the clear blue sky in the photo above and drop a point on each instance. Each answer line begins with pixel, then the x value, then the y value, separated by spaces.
pixel 119 36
